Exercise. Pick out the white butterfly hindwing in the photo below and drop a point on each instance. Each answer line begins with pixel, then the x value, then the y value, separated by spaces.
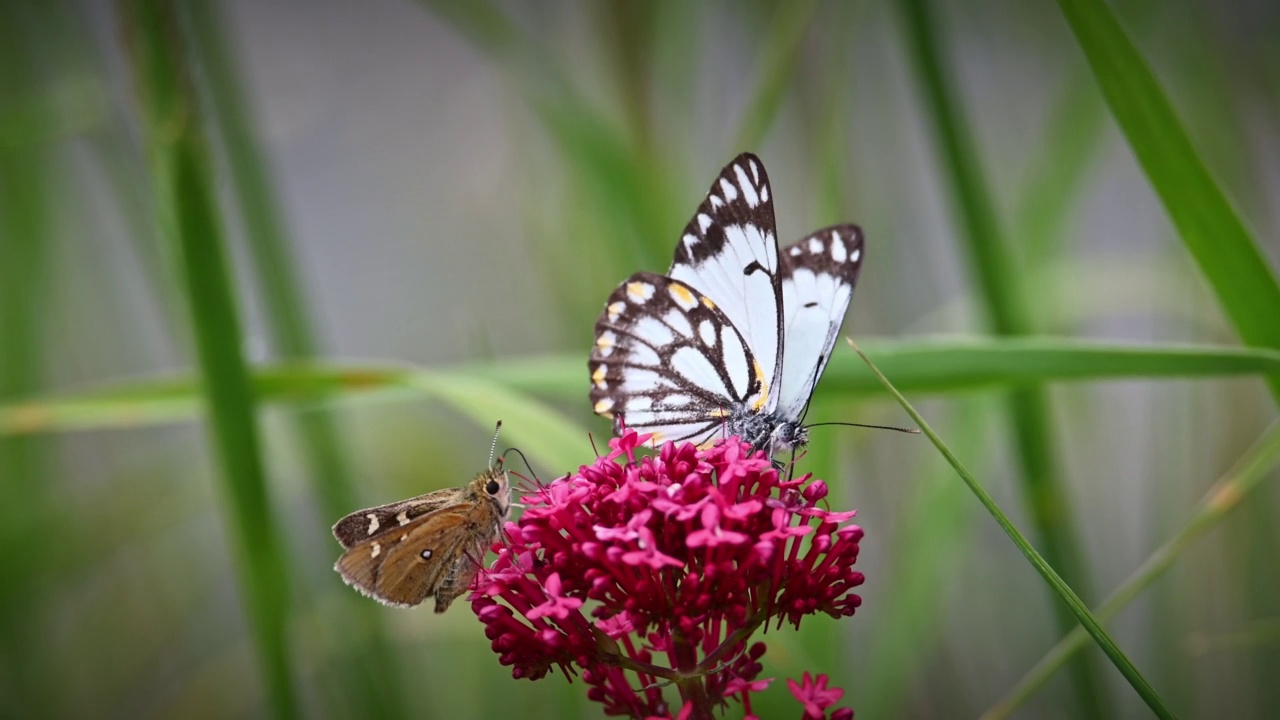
pixel 818 275
pixel 733 340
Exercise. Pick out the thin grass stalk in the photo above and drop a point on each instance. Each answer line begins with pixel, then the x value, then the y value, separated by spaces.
pixel 1008 311
pixel 625 183
pixel 1046 571
pixel 185 194
pixel 1212 231
pixel 1226 495
pixel 371 673
pixel 26 237
pixel 782 46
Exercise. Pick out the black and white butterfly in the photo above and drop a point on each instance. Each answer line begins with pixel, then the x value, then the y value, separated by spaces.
pixel 732 340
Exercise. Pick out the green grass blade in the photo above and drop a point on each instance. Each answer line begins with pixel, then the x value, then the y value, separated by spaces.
pixel 1009 312
pixel 185 189
pixel 951 365
pixel 1209 226
pixel 780 55
pixel 539 431
pixel 368 670
pixel 27 212
pixel 1225 495
pixel 928 366
pixel 1051 577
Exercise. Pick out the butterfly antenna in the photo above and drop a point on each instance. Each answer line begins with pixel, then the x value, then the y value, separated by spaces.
pixel 494 445
pixel 527 466
pixel 909 431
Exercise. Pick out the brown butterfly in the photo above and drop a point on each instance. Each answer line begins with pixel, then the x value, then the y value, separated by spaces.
pixel 402 552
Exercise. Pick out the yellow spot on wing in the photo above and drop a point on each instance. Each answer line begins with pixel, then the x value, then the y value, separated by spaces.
pixel 682 295
pixel 764 388
pixel 639 291
pixel 597 377
pixel 603 407
pixel 707 301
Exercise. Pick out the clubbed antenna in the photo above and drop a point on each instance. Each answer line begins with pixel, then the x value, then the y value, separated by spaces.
pixel 494 445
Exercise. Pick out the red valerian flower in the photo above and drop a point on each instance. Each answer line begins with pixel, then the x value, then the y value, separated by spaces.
pixel 641 572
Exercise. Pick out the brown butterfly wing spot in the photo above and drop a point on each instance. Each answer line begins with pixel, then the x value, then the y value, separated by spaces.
pixel 415 567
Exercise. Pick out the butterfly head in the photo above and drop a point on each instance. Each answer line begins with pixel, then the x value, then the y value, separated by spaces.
pixel 787 435
pixel 493 487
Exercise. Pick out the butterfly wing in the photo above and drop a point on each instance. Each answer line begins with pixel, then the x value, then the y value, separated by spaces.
pixel 402 566
pixel 818 276
pixel 669 362
pixel 364 524
pixel 729 253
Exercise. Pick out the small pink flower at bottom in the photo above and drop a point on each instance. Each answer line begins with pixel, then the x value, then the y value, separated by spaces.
pixel 642 573
pixel 816 697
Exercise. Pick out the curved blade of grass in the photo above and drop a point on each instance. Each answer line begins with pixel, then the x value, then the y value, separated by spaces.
pixel 1225 495
pixel 368 671
pixel 185 189
pixel 1209 226
pixel 950 365
pixel 1051 577
pixel 1009 312
pixel 539 431
pixel 930 366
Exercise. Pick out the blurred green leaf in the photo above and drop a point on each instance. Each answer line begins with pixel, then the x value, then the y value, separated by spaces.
pixel 936 366
pixel 780 56
pixel 539 431
pixel 1209 226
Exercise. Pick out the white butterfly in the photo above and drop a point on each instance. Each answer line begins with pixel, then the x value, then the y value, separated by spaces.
pixel 732 340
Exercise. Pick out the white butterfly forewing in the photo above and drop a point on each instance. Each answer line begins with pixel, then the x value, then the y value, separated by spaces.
pixel 729 253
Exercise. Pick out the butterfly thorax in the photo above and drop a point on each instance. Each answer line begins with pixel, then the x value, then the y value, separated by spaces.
pixel 767 431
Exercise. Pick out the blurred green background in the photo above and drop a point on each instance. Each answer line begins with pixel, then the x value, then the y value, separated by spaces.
pixel 433 200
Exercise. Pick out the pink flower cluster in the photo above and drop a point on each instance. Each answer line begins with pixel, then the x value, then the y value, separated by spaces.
pixel 645 572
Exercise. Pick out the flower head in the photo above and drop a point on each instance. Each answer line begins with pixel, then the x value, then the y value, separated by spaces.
pixel 642 572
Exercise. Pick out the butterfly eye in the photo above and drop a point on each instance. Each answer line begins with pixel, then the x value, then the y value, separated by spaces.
pixel 493 487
